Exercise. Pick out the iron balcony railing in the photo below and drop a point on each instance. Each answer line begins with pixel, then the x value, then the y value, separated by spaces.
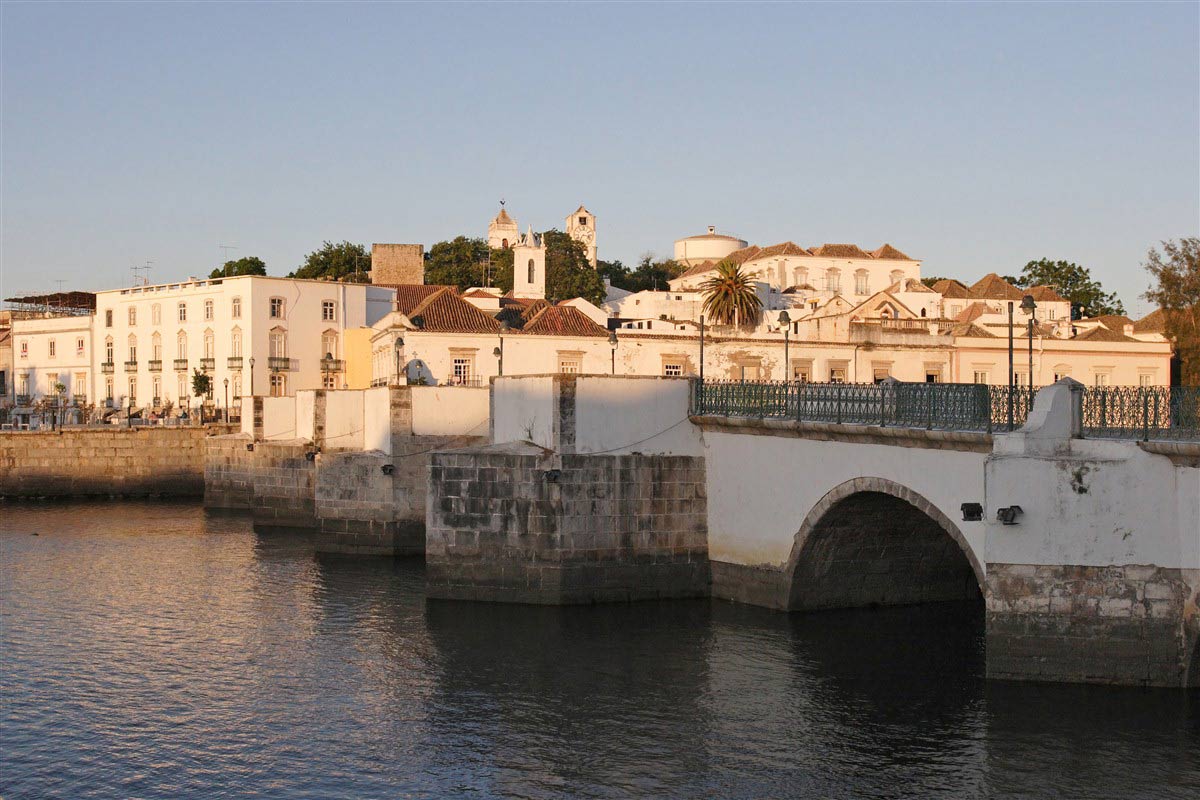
pixel 155 364
pixel 234 362
pixel 181 365
pixel 23 399
pixel 933 406
pixel 208 364
pixel 333 365
pixel 131 365
pixel 107 367
pixel 279 364
pixel 1142 412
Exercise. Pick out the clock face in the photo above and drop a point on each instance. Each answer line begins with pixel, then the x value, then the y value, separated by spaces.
pixel 583 234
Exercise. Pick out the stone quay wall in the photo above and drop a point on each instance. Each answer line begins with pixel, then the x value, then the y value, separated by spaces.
pixel 275 480
pixel 1115 624
pixel 104 462
pixel 514 523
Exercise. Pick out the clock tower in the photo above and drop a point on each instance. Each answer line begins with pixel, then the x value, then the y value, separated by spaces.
pixel 581 226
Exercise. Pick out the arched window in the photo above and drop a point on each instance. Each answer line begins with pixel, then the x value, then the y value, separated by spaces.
pixel 277 343
pixel 531 271
pixel 132 347
pixel 235 308
pixel 833 280
pixel 210 345
pixel 922 312
pixel 329 344
pixel 181 345
pixel 235 343
pixel 108 350
pixel 861 284
pixel 156 346
pixel 897 275
pixel 208 309
pixel 799 276
pixel 156 314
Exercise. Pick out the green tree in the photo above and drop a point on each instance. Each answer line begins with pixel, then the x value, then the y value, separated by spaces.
pixel 931 280
pixel 459 262
pixel 1073 282
pixel 1176 290
pixel 616 272
pixel 345 262
pixel 649 275
pixel 249 265
pixel 568 272
pixel 201 383
pixel 729 296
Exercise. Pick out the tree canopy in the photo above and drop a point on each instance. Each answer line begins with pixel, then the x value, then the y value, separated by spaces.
pixel 1073 282
pixel 729 296
pixel 345 261
pixel 568 272
pixel 1176 290
pixel 650 274
pixel 248 265
pixel 459 262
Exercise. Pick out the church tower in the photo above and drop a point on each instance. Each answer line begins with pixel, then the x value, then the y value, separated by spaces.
pixel 503 231
pixel 581 226
pixel 529 267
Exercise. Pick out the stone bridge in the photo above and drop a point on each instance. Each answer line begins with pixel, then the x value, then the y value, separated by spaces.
pixel 599 489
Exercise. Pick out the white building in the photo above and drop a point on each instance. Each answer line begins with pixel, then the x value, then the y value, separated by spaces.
pixel 49 351
pixel 250 334
pixel 581 226
pixel 692 251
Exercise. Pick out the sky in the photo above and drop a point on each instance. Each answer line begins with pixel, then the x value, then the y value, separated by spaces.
pixel 975 137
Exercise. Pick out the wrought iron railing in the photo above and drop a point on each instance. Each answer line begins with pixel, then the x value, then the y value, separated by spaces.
pixel 181 365
pixel 155 364
pixel 1142 412
pixel 107 367
pixel 333 365
pixel 933 406
pixel 208 364
pixel 279 364
pixel 234 362
pixel 131 365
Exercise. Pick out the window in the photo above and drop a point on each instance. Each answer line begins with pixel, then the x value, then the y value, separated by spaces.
pixel 52 348
pixel 531 271
pixel 329 344
pixel 1145 379
pixel 837 374
pixel 132 348
pixel 156 347
pixel 181 345
pixel 235 344
pixel 747 369
pixel 132 315
pixel 237 385
pixel 79 346
pixel 462 369
pixel 156 386
pixel 328 311
pixel 183 312
pixel 860 282
pixel 24 349
pixel 108 351
pixel 108 318
pixel 833 280
pixel 23 384
pixel 1102 378
pixel 276 308
pixel 955 310
pixel 278 384
pixel 51 382
pixel 933 376
pixel 570 364
pixel 329 380
pixel 210 345
pixel 583 220
pixel 278 344
pixel 183 389
pixel 235 308
pixel 801 370
pixel 981 376
pixel 896 276
pixel 673 369
pixel 132 398
pixel 1061 371
pixel 80 387
pixel 880 374
pixel 156 314
pixel 208 309
pixel 108 389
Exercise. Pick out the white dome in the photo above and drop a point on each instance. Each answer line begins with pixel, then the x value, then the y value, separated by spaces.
pixel 711 246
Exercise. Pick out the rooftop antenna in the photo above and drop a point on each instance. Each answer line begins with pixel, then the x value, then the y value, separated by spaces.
pixel 138 278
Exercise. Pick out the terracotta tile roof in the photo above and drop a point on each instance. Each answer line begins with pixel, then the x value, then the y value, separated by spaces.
pixel 411 295
pixel 516 311
pixel 782 249
pixel 971 313
pixel 483 293
pixel 1154 322
pixel 889 253
pixel 971 330
pixel 445 312
pixel 1045 294
pixel 993 287
pixel 951 289
pixel 1114 322
pixel 699 269
pixel 743 255
pixel 909 285
pixel 1103 334
pixel 503 217
pixel 802 287
pixel 840 251
pixel 562 321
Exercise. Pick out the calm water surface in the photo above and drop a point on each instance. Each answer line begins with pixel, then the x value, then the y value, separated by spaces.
pixel 154 651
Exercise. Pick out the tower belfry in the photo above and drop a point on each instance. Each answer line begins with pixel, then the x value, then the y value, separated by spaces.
pixel 581 226
pixel 503 231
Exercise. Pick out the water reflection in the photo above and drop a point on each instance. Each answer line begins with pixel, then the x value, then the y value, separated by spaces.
pixel 152 650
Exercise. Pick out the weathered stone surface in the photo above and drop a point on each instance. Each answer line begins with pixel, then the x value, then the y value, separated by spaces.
pixel 1133 624
pixel 104 462
pixel 513 523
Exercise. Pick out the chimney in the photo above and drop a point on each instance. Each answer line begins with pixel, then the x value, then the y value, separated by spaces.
pixel 712 229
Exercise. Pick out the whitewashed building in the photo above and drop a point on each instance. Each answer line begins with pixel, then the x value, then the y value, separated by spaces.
pixel 52 350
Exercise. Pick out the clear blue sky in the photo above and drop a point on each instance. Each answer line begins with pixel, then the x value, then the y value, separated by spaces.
pixel 976 137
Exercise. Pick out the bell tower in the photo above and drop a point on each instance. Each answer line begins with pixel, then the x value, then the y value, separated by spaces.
pixel 502 230
pixel 581 226
pixel 529 267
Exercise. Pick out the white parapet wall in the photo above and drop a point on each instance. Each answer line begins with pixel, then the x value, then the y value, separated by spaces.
pixel 279 418
pixel 450 410
pixel 523 410
pixel 377 420
pixel 344 422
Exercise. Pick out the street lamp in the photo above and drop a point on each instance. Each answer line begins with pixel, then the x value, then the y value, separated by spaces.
pixel 785 320
pixel 1010 365
pixel 702 351
pixel 226 401
pixel 1029 307
pixel 252 376
pixel 498 352
pixel 612 342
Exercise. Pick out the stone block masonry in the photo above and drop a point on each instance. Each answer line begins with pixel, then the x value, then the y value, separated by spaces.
pixel 515 523
pixel 103 462
pixel 275 480
pixel 1130 625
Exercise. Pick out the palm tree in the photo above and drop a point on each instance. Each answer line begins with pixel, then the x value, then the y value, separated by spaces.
pixel 729 296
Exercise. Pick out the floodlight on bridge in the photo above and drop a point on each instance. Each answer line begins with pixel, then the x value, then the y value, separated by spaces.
pixel 972 512
pixel 1008 516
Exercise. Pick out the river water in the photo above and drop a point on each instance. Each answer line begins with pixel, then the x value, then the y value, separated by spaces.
pixel 155 651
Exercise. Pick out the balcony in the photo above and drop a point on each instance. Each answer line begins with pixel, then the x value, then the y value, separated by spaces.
pixel 234 363
pixel 181 365
pixel 208 364
pixel 107 367
pixel 278 364
pixel 131 366
pixel 23 399
pixel 333 365
pixel 155 364
pixel 79 401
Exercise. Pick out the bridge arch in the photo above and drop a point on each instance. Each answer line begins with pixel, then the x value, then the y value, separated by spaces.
pixel 872 541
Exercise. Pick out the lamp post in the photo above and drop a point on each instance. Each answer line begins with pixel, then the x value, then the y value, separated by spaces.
pixel 785 320
pixel 226 401
pixel 612 342
pixel 399 347
pixel 702 351
pixel 1029 307
pixel 499 351
pixel 252 376
pixel 1010 365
